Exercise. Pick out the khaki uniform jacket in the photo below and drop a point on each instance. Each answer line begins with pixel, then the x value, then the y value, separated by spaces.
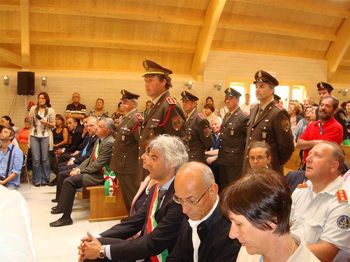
pixel 92 169
pixel 272 126
pixel 198 136
pixel 232 139
pixel 125 147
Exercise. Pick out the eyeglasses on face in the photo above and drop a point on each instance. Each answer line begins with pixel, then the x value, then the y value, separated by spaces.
pixel 257 158
pixel 190 201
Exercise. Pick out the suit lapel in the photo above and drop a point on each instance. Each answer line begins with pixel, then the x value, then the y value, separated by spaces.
pixel 263 114
pixel 153 109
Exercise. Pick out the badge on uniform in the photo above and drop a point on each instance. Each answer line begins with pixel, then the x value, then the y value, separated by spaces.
pixel 171 100
pixel 139 117
pixel 264 134
pixel 343 222
pixel 123 138
pixel 177 123
pixel 341 195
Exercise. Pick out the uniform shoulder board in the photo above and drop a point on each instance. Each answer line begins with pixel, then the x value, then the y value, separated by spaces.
pixel 280 107
pixel 139 117
pixel 341 195
pixel 201 116
pixel 171 100
pixel 302 185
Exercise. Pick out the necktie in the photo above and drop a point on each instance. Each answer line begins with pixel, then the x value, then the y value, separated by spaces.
pixel 83 153
pixel 258 114
pixel 161 195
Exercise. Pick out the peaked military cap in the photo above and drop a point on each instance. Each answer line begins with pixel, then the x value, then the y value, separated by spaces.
pixel 231 92
pixel 264 77
pixel 188 96
pixel 128 95
pixel 324 85
pixel 152 68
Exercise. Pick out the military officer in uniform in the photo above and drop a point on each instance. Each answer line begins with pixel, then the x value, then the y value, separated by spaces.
pixel 198 133
pixel 270 123
pixel 232 140
pixel 125 148
pixel 166 116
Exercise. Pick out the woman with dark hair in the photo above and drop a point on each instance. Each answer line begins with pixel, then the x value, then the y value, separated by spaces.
pixel 259 155
pixel 42 118
pixel 6 121
pixel 259 206
pixel 60 133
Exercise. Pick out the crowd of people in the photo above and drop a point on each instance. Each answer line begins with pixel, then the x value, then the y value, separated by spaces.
pixel 201 185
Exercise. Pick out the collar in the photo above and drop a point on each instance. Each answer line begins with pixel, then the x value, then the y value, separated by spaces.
pixel 128 114
pixel 265 105
pixel 8 147
pixel 155 101
pixel 331 188
pixel 167 185
pixel 190 114
pixel 195 223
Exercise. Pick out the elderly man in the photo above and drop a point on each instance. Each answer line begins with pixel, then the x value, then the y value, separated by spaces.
pixel 125 148
pixel 204 236
pixel 159 219
pixel 320 209
pixel 75 109
pixel 89 173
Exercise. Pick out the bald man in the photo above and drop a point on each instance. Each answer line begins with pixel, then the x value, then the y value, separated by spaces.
pixel 204 235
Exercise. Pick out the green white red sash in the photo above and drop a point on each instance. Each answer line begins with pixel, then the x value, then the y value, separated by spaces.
pixel 152 224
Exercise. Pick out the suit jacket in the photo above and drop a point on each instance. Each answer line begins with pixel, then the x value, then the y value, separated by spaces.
pixel 92 169
pixel 272 126
pixel 215 242
pixel 76 139
pixel 79 158
pixel 232 139
pixel 169 218
pixel 198 136
pixel 125 148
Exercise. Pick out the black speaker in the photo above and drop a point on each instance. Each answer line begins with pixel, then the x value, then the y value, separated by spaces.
pixel 25 83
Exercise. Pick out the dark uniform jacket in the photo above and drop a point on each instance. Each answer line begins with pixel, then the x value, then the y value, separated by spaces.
pixel 215 242
pixel 125 148
pixel 92 169
pixel 232 139
pixel 198 136
pixel 169 218
pixel 272 126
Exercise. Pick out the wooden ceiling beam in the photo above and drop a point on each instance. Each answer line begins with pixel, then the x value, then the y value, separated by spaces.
pixel 9 8
pixel 25 39
pixel 249 24
pixel 10 57
pixel 339 47
pixel 206 36
pixel 319 8
pixel 345 62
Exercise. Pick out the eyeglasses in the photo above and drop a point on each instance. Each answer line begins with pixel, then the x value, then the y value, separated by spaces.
pixel 190 200
pixel 257 158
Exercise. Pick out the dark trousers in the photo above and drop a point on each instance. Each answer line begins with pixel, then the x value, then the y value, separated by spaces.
pixel 228 174
pixel 63 173
pixel 66 199
pixel 129 184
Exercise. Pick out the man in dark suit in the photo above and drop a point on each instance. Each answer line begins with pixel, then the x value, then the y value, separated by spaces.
pixel 198 132
pixel 270 123
pixel 232 140
pixel 159 219
pixel 89 173
pixel 204 236
pixel 166 116
pixel 125 148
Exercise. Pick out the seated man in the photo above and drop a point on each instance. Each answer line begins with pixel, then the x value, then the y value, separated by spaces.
pixel 159 219
pixel 320 210
pixel 205 235
pixel 89 173
pixel 65 168
pixel 11 159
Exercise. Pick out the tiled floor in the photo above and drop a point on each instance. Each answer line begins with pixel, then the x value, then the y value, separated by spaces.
pixel 57 244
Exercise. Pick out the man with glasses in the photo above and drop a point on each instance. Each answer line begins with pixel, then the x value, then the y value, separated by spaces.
pixel 159 219
pixel 204 236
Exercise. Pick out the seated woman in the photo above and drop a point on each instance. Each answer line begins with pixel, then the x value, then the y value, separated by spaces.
pixel 23 136
pixel 60 139
pixel 259 155
pixel 259 206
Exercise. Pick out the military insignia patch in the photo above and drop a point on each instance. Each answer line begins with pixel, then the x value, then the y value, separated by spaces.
pixel 171 100
pixel 341 195
pixel 177 123
pixel 343 222
pixel 285 125
pixel 139 117
pixel 200 115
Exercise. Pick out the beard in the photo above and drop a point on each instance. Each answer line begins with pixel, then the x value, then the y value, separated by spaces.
pixel 325 115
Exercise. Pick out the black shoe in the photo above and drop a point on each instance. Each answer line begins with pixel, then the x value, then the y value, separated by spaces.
pixel 43 184
pixel 61 222
pixel 51 183
pixel 54 208
pixel 54 200
pixel 37 185
pixel 55 211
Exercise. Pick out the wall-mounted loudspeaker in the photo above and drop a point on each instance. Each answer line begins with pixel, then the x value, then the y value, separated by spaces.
pixel 25 83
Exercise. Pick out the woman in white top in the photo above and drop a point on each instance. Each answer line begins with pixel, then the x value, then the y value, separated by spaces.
pixel 42 118
pixel 259 206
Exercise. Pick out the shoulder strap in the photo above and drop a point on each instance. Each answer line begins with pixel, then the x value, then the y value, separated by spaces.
pixel 9 162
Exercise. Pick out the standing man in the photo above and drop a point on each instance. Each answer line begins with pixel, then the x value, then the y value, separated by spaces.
pixel 166 116
pixel 198 133
pixel 246 105
pixel 320 208
pixel 158 219
pixel 270 123
pixel 125 148
pixel 232 140
pixel 204 236
pixel 11 159
pixel 75 109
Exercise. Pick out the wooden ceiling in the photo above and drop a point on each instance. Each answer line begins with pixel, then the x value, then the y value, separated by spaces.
pixel 117 35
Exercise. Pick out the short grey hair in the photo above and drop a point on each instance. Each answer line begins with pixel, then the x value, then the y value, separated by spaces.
pixel 109 124
pixel 172 148
pixel 216 120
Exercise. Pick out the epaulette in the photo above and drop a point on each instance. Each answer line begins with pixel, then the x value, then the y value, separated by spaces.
pixel 302 185
pixel 139 117
pixel 280 107
pixel 341 195
pixel 171 100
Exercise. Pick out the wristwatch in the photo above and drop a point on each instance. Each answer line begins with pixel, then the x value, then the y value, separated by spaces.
pixel 101 254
